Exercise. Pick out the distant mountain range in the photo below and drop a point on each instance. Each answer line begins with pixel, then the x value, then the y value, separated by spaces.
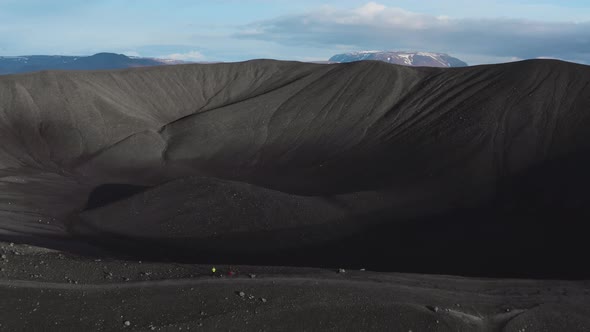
pixel 23 64
pixel 101 61
pixel 416 59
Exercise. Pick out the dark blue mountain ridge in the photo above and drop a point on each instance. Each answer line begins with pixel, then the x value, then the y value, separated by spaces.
pixel 99 61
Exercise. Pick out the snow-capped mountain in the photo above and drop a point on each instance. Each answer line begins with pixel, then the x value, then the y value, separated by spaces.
pixel 23 64
pixel 418 59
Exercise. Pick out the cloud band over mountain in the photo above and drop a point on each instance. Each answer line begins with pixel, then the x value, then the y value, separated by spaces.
pixel 376 26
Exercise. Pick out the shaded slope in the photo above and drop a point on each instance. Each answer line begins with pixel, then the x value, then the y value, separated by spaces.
pixel 201 208
pixel 419 159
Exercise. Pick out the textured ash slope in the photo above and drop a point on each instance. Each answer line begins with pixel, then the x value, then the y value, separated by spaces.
pixel 445 170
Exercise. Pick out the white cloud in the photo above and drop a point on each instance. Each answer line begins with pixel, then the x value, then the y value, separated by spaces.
pixel 370 9
pixel 188 56
pixel 376 26
pixel 131 53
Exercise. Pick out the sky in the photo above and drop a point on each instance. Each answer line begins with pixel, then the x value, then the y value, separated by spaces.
pixel 476 31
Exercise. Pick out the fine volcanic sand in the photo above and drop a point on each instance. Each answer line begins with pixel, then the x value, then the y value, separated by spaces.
pixel 477 171
pixel 50 291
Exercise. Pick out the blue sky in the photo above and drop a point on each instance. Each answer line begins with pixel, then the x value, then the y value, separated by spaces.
pixel 477 31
